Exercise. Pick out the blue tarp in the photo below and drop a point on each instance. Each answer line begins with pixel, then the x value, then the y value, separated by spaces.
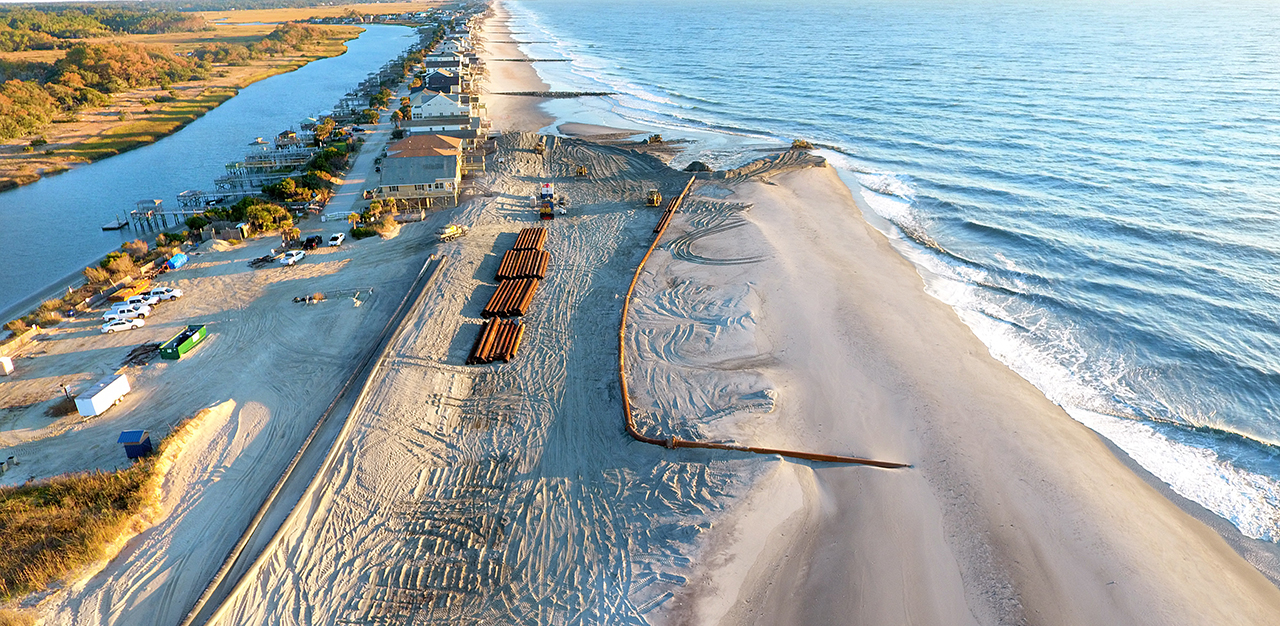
pixel 177 261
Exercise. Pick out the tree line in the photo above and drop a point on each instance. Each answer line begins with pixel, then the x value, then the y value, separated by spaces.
pixel 49 28
pixel 32 94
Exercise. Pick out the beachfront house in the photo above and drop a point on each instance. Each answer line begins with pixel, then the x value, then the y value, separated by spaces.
pixel 451 46
pixel 423 170
pixel 428 104
pixel 444 124
pixel 444 81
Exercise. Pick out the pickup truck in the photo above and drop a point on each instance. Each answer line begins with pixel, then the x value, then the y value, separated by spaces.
pixel 127 313
pixel 165 293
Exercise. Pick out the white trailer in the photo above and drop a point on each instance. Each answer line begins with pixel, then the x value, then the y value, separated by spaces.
pixel 102 395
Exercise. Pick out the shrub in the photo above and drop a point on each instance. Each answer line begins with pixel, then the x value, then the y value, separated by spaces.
pixel 136 248
pixel 196 222
pixel 51 305
pixel 39 141
pixel 360 232
pixel 121 266
pixel 16 327
pixel 48 318
pixel 96 275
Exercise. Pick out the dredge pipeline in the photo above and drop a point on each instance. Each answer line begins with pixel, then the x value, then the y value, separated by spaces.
pixel 676 442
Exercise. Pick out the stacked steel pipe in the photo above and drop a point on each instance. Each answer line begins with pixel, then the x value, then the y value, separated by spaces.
pixel 524 264
pixel 512 298
pixel 530 239
pixel 521 268
pixel 498 341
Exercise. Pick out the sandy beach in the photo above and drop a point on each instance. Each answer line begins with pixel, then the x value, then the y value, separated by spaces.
pixel 770 314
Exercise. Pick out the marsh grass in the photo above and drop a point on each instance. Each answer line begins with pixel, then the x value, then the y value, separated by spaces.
pixel 51 527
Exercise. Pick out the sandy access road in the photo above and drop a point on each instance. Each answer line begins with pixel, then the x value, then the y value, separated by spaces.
pixel 265 374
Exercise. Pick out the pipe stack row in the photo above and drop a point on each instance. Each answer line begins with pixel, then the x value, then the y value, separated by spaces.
pixel 512 299
pixel 498 341
pixel 524 264
pixel 521 269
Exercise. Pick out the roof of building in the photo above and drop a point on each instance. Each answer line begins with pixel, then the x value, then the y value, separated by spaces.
pixel 419 170
pixel 442 120
pixel 424 145
pixel 426 95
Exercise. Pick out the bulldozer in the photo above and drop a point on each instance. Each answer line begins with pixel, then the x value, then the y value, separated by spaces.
pixel 541 146
pixel 654 198
pixel 580 172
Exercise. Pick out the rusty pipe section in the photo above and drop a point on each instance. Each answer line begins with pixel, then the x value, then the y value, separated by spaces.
pixel 676 442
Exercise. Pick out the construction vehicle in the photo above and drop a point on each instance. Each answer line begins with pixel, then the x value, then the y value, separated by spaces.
pixel 451 232
pixel 541 146
pixel 580 172
pixel 654 198
pixel 547 201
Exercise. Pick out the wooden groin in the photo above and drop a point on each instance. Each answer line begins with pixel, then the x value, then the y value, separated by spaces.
pixel 498 341
pixel 512 298
pixel 524 264
pixel 676 442
pixel 530 239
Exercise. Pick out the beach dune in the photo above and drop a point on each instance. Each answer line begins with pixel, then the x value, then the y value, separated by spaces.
pixel 1012 513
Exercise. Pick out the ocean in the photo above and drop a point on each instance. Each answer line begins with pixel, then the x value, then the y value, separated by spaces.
pixel 1093 186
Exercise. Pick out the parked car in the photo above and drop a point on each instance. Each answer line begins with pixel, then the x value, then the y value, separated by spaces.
pixel 312 242
pixel 166 293
pixel 127 313
pixel 130 324
pixel 357 129
pixel 336 239
pixel 291 257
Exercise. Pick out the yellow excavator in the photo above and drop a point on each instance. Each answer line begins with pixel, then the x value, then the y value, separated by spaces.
pixel 654 198
pixel 581 172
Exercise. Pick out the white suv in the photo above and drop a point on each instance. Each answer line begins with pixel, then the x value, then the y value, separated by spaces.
pixel 291 257
pixel 127 313
pixel 337 239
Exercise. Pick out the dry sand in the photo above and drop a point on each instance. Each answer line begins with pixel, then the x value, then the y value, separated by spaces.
pixel 269 368
pixel 508 113
pixel 1014 512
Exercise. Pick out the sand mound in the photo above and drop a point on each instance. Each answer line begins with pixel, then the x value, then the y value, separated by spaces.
pixel 214 245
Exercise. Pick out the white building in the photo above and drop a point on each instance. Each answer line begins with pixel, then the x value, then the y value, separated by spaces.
pixel 427 105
